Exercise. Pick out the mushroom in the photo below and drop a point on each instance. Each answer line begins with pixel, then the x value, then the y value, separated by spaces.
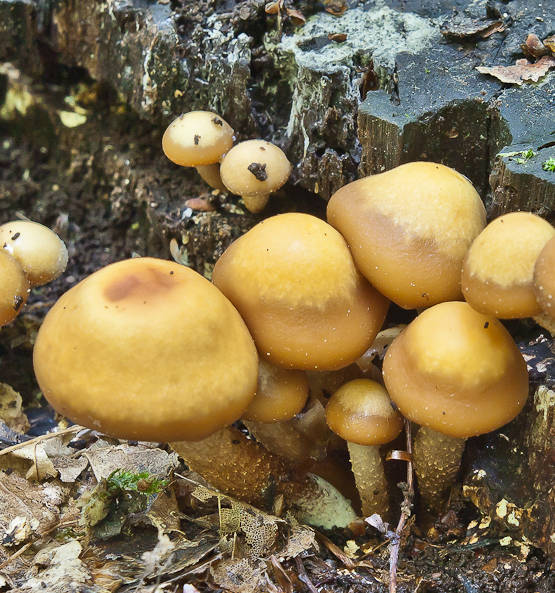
pixel 457 373
pixel 253 170
pixel 41 253
pixel 498 271
pixel 544 279
pixel 199 139
pixel 361 413
pixel 409 230
pixel 294 281
pixel 146 349
pixel 14 287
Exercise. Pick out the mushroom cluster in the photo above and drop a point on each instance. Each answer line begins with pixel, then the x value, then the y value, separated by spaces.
pixel 30 255
pixel 283 337
pixel 252 169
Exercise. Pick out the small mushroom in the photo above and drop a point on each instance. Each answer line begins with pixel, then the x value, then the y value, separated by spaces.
pixel 146 349
pixel 361 413
pixel 409 230
pixel 498 271
pixel 294 282
pixel 253 170
pixel 41 253
pixel 14 287
pixel 199 139
pixel 458 374
pixel 544 279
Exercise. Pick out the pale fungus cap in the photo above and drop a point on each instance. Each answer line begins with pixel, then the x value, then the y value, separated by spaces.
pixel 294 281
pixel 456 371
pixel 544 279
pixel 280 394
pixel 361 412
pixel 197 138
pixel 409 230
pixel 14 287
pixel 498 271
pixel 41 253
pixel 255 169
pixel 146 349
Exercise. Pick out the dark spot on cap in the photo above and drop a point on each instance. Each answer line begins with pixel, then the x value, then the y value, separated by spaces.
pixel 443 413
pixel 171 272
pixel 218 121
pixel 146 284
pixel 16 236
pixel 196 139
pixel 235 441
pixel 258 170
pixel 262 148
pixel 486 325
pixel 17 302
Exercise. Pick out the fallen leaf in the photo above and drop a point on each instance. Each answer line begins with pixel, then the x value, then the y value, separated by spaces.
pixel 549 42
pixel 296 16
pixel 338 37
pixel 522 71
pixel 465 28
pixel 335 7
pixel 533 47
pixel 10 409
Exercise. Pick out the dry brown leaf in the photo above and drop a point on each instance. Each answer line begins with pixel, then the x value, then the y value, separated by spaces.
pixel 338 37
pixel 465 28
pixel 549 42
pixel 296 16
pixel 10 409
pixel 533 47
pixel 522 71
pixel 335 7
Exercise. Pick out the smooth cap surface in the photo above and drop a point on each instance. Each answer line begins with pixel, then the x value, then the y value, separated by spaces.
pixel 544 279
pixel 280 394
pixel 361 412
pixel 294 281
pixel 498 271
pixel 456 371
pixel 197 138
pixel 146 349
pixel 409 229
pixel 255 167
pixel 41 253
pixel 14 287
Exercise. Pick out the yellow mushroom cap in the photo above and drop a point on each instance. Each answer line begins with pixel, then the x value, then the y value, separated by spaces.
pixel 498 271
pixel 456 371
pixel 197 138
pixel 41 253
pixel 294 281
pixel 146 349
pixel 544 279
pixel 361 412
pixel 409 230
pixel 255 168
pixel 280 394
pixel 14 287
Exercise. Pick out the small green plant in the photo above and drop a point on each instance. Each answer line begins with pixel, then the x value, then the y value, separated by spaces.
pixel 142 482
pixel 549 165
pixel 526 155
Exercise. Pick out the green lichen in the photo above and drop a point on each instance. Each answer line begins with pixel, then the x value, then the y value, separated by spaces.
pixel 549 165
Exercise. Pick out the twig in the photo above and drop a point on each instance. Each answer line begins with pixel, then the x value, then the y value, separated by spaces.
pixel 303 575
pixel 43 437
pixel 406 510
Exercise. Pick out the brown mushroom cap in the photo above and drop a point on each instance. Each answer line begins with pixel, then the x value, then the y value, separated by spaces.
pixel 14 287
pixel 456 371
pixel 197 138
pixel 146 349
pixel 294 281
pixel 409 229
pixel 544 279
pixel 498 271
pixel 41 253
pixel 280 394
pixel 361 412
pixel 255 168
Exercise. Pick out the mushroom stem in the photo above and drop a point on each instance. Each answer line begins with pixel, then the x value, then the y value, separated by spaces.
pixel 301 438
pixel 242 468
pixel 370 479
pixel 256 203
pixel 437 459
pixel 210 174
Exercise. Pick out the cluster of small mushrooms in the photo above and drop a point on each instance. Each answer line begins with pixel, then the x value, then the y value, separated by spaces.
pixel 294 304
pixel 252 169
pixel 30 255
